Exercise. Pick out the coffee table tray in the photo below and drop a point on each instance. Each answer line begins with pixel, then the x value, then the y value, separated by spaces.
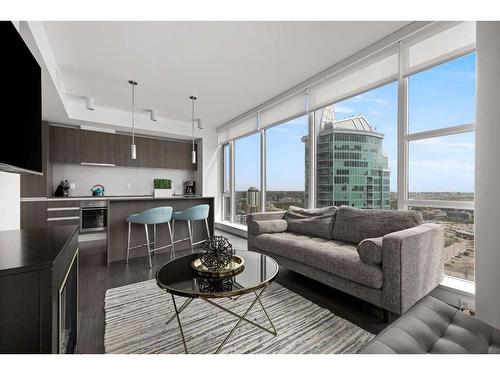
pixel 234 267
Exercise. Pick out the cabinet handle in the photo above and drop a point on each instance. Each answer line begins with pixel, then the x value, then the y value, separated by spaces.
pixel 63 209
pixel 99 164
pixel 63 218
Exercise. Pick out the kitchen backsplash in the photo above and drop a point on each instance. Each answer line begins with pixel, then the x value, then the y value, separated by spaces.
pixel 118 180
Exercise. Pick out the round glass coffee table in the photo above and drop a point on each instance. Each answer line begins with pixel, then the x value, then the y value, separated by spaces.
pixel 178 278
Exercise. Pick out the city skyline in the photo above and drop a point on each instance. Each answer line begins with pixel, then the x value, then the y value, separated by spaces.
pixel 443 164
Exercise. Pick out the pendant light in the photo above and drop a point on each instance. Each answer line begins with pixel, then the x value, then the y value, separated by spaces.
pixel 193 152
pixel 133 149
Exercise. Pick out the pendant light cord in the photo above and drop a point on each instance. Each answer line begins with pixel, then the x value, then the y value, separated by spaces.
pixel 193 98
pixel 133 114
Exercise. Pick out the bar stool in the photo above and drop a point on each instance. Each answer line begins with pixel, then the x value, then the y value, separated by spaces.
pixel 194 213
pixel 153 216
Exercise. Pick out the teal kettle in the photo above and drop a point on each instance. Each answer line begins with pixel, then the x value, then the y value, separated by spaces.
pixel 97 191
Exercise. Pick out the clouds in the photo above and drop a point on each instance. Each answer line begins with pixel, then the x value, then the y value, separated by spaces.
pixel 441 175
pixel 370 98
pixel 342 109
pixel 445 144
pixel 443 164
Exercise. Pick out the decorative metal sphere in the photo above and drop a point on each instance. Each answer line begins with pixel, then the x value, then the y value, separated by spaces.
pixel 216 254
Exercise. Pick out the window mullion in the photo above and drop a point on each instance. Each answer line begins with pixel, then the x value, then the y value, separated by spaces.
pixel 402 160
pixel 441 132
pixel 312 160
pixel 263 170
pixel 232 184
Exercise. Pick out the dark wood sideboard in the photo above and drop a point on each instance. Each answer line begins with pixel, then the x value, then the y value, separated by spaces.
pixel 39 290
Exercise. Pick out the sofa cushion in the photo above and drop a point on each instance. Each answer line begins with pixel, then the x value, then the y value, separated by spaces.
pixel 354 225
pixel 267 226
pixel 432 326
pixel 370 250
pixel 335 257
pixel 316 222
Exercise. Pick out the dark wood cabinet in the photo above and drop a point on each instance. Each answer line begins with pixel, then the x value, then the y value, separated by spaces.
pixel 64 145
pixel 183 154
pixel 61 212
pixel 122 151
pixel 149 152
pixel 167 153
pixel 145 152
pixel 39 186
pixel 38 274
pixel 33 214
pixel 73 146
pixel 97 147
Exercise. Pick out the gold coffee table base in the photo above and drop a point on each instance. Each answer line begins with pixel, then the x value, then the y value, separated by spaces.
pixel 242 318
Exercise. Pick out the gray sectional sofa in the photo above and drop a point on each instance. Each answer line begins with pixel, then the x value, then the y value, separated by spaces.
pixel 388 258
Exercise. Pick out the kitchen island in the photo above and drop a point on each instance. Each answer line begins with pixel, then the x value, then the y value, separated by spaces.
pixel 39 290
pixel 119 208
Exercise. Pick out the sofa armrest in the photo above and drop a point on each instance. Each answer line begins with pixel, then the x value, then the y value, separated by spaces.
pixel 412 264
pixel 261 216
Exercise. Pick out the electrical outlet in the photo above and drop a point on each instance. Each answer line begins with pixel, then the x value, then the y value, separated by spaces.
pixel 129 186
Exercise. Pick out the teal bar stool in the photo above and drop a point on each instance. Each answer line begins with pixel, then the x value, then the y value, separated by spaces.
pixel 194 213
pixel 153 216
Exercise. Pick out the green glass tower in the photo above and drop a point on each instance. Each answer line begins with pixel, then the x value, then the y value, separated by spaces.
pixel 351 167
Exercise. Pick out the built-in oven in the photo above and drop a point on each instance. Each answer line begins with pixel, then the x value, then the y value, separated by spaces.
pixel 93 216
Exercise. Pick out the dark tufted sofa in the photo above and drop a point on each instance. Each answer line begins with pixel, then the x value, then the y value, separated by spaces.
pixel 432 326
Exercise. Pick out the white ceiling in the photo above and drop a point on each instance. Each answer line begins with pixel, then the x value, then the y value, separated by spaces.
pixel 230 66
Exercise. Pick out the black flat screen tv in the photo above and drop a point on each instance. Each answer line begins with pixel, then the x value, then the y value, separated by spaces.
pixel 20 105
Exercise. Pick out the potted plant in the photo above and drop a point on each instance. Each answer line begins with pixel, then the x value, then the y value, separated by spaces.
pixel 162 188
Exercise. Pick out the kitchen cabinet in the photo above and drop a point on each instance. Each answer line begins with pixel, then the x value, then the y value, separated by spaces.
pixel 39 290
pixel 33 214
pixel 39 186
pixel 175 155
pixel 74 146
pixel 167 153
pixel 97 147
pixel 64 145
pixel 149 152
pixel 183 160
pixel 60 212
pixel 122 151
pixel 158 153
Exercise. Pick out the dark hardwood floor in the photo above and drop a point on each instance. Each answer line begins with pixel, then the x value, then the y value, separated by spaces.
pixel 95 278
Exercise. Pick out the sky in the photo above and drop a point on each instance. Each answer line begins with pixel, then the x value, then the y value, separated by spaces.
pixel 439 97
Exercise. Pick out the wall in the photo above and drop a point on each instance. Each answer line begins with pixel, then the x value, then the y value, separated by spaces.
pixel 10 209
pixel 487 175
pixel 115 179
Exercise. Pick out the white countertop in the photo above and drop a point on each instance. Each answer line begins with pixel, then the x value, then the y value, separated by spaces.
pixel 109 198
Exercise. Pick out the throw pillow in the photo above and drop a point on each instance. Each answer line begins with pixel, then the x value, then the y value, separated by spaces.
pixel 267 226
pixel 316 222
pixel 353 225
pixel 370 250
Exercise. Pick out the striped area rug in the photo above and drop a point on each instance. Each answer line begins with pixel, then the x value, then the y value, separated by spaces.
pixel 136 314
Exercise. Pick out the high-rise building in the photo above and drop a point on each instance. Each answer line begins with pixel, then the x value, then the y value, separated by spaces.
pixel 253 199
pixel 351 167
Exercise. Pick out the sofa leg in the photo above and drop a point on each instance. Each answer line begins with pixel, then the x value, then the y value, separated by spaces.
pixel 387 316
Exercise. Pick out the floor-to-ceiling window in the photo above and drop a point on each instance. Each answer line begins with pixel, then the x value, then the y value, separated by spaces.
pixel 247 176
pixel 441 116
pixel 408 111
pixel 357 150
pixel 286 165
